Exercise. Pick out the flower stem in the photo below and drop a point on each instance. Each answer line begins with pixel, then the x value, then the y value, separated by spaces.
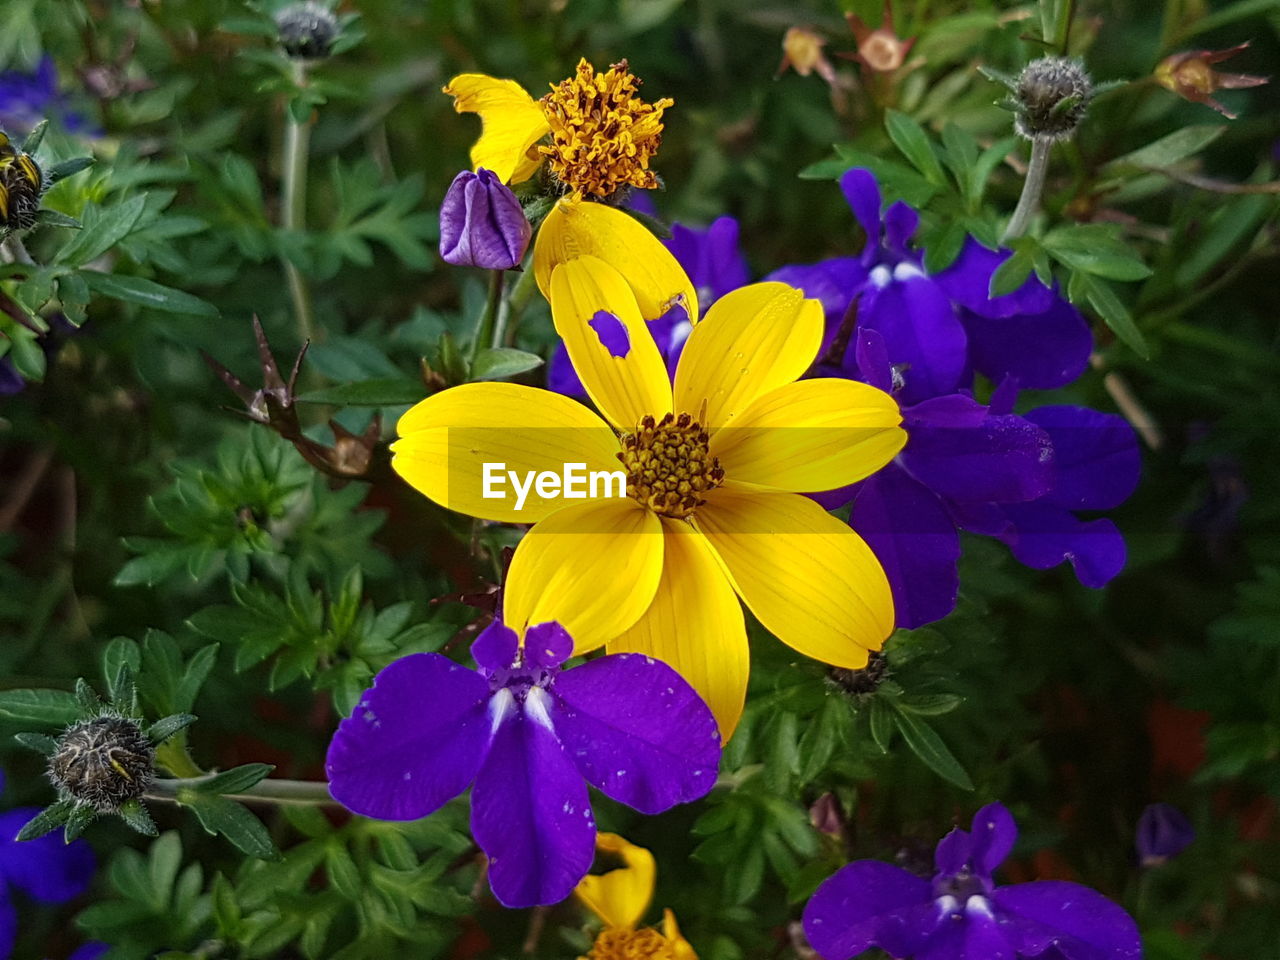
pixel 1032 187
pixel 293 203
pixel 307 792
pixel 521 295
pixel 486 325
pixel 15 248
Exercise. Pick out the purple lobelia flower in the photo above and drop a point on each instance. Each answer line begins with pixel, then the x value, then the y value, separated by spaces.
pixel 531 736
pixel 961 914
pixel 46 869
pixel 714 264
pixel 27 98
pixel 482 223
pixel 1163 833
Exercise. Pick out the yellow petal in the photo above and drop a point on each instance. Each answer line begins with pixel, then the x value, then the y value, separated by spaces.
pixel 620 897
pixel 812 581
pixel 811 435
pixel 680 947
pixel 751 341
pixel 446 440
pixel 695 625
pixel 625 388
pixel 576 228
pixel 591 566
pixel 512 123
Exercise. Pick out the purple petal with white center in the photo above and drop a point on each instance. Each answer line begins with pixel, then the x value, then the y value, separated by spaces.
pixel 994 833
pixel 973 934
pixel 900 224
pixel 637 731
pixel 496 648
pixel 547 645
pixel 613 335
pixel 843 917
pixel 530 812
pixel 1004 459
pixel 967 281
pixel 862 193
pixel 1042 350
pixel 47 868
pixel 954 852
pixel 561 376
pixel 414 741
pixel 919 327
pixel 909 530
pixel 1096 457
pixel 1081 923
pixel 872 359
pixel 1042 536
pixel 833 283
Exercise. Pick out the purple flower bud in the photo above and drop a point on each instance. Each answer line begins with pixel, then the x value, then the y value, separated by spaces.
pixel 482 223
pixel 1163 833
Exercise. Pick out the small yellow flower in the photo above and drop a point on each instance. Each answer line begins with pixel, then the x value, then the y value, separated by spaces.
pixel 620 898
pixel 715 464
pixel 802 52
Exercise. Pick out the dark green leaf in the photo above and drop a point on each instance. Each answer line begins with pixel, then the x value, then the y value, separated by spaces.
pixel 50 818
pixel 78 821
pixel 147 293
pixel 39 706
pixel 136 816
pixel 881 723
pixel 52 218
pixel 930 704
pixel 1082 288
pixel 235 780
pixel 103 229
pixel 36 137
pixel 37 742
pixel 928 746
pixel 498 363
pixel 68 168
pixel 381 392
pixel 242 828
pixel 1013 273
pixel 909 137
pixel 163 729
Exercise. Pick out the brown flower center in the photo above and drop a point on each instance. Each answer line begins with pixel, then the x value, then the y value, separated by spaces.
pixel 644 944
pixel 669 464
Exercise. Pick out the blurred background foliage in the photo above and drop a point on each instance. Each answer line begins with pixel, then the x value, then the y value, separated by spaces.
pixel 136 505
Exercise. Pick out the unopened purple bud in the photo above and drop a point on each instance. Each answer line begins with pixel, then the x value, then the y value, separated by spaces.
pixel 482 223
pixel 1163 833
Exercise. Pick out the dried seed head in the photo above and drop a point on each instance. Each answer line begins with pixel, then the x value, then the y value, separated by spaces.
pixel 103 763
pixel 307 30
pixel 860 684
pixel 1052 96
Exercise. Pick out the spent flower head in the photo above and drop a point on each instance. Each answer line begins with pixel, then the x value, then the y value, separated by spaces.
pixel 1190 75
pixel 307 30
pixel 1052 94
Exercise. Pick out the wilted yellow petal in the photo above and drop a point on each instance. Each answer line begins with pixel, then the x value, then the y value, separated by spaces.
pixel 512 123
pixel 621 896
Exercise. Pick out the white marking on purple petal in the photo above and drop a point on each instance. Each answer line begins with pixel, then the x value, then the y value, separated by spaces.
pixel 978 904
pixel 880 276
pixel 906 271
pixel 501 705
pixel 537 707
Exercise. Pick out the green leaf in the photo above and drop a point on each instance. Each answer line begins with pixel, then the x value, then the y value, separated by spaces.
pixel 103 229
pixel 163 729
pixel 986 164
pixel 119 652
pixel 67 168
pixel 1082 288
pixel 380 392
pixel 342 871
pixel 36 137
pixel 47 820
pixel 961 155
pixel 1168 150
pixel 220 815
pixel 37 742
pixel 78 821
pixel 498 363
pixel 1013 273
pixel 86 697
pixel 1005 80
pixel 54 707
pixel 236 780
pixel 73 292
pixel 929 747
pixel 1096 249
pixel 881 723
pixel 930 704
pixel 193 677
pixel 138 818
pixel 52 218
pixel 147 293
pixel 909 137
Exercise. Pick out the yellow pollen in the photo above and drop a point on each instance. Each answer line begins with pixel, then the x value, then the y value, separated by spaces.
pixel 602 134
pixel 669 464
pixel 644 944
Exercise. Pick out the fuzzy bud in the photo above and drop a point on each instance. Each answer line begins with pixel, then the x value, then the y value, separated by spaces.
pixel 482 223
pixel 1052 95
pixel 103 763
pixel 21 184
pixel 307 30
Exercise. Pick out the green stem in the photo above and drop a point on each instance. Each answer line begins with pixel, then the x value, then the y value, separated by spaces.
pixel 487 323
pixel 521 296
pixel 293 203
pixel 1032 188
pixel 308 792
pixel 16 249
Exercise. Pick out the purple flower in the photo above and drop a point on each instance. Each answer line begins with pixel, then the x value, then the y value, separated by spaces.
pixel 961 914
pixel 1163 833
pixel 531 736
pixel 715 265
pixel 46 869
pixel 28 98
pixel 482 223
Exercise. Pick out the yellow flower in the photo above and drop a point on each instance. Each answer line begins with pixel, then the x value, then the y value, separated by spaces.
pixel 715 469
pixel 620 898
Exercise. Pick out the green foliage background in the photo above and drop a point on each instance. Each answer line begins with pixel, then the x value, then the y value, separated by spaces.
pixel 146 524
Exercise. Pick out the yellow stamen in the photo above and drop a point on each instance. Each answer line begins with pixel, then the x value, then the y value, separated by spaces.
pixel 669 464
pixel 602 134
pixel 643 944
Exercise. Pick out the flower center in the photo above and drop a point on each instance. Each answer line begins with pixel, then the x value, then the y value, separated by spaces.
pixel 21 184
pixel 631 945
pixel 961 886
pixel 602 134
pixel 669 463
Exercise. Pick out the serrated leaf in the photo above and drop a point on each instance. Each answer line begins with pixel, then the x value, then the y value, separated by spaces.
pixel 219 815
pixel 380 392
pixel 138 818
pixel 163 729
pixel 39 706
pixel 77 822
pixel 37 742
pixel 498 363
pixel 103 229
pixel 235 780
pixel 46 821
pixel 910 138
pixel 86 697
pixel 147 293
pixel 930 748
